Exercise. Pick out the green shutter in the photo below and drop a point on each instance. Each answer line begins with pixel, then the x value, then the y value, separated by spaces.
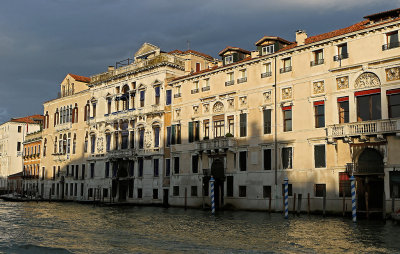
pixel 173 134
pixel 190 132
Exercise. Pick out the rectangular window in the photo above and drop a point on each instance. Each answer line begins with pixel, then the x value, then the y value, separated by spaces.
pixel 168 97
pixel 193 191
pixel 228 59
pixel 176 191
pixel 267 121
pixel 394 103
pixel 319 156
pixel 318 57
pixel 91 170
pixel 392 40
pixel 231 125
pixel 287 157
pixel 342 52
pixel 344 184
pixel 71 189
pixel 320 190
pixel 155 167
pixel 176 165
pixel 287 118
pixel 18 146
pixel 167 167
pixel 124 139
pixel 131 166
pixel 108 105
pixel 343 105
pixel 178 134
pixel 267 191
pixel 206 124
pixel 394 184
pixel 290 193
pixel 243 160
pixel 105 193
pixel 268 49
pixel 168 136
pixel 72 170
pixel 141 138
pixel 139 193
pixel 219 126
pixel 195 164
pixel 130 188
pixel 155 193
pixel 156 136
pixel 140 164
pixel 243 125
pixel 190 131
pixel 267 159
pixel 157 95
pixel 229 186
pixel 107 169
pixel 82 186
pixel 287 65
pixel 83 171
pixel 132 145
pixel 319 112
pixel 173 134
pixel 19 129
pixel 368 105
pixel 142 97
pixel 93 143
pixel 242 191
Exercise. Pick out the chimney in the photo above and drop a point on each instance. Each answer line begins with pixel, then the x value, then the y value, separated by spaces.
pixel 301 37
pixel 110 68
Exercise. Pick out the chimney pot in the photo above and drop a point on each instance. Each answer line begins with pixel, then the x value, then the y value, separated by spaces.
pixel 301 37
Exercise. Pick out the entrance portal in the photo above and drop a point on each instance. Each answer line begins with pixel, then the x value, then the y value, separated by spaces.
pixel 217 171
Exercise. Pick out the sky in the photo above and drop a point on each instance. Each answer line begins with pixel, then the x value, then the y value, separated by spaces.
pixel 42 41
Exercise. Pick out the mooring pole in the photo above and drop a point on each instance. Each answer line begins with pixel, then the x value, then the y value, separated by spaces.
pixel 212 195
pixel 353 198
pixel 299 198
pixel 286 198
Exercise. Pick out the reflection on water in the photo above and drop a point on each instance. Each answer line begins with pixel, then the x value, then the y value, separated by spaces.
pixel 69 227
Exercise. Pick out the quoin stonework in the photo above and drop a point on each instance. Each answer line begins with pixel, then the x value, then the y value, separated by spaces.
pixel 154 128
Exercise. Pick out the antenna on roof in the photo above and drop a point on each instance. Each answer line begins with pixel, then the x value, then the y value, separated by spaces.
pixel 188 44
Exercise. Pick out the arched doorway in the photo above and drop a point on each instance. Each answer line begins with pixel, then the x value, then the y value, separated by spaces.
pixel 370 180
pixel 218 172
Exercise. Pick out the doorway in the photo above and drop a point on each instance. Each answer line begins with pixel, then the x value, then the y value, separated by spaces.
pixel 218 172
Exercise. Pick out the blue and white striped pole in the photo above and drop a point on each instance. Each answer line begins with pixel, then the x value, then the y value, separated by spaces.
pixel 212 195
pixel 353 198
pixel 286 198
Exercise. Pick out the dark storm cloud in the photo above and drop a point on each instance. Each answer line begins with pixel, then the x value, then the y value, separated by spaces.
pixel 41 41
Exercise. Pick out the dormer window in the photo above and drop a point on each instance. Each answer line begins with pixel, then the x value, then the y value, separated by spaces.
pixel 229 59
pixel 268 49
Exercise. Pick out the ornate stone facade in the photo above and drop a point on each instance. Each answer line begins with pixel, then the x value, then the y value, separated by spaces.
pixel 393 74
pixel 367 79
pixel 318 87
pixel 218 107
pixel 287 93
pixel 267 97
pixel 342 83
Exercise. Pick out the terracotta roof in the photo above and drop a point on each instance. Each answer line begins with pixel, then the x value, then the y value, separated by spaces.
pixel 233 49
pixel 290 46
pixel 271 38
pixel 190 51
pixel 80 78
pixel 383 14
pixel 28 119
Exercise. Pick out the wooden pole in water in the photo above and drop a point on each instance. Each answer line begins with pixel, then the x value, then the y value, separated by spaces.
pixel 308 203
pixel 269 204
pixel 294 203
pixel 366 204
pixel 300 196
pixel 344 203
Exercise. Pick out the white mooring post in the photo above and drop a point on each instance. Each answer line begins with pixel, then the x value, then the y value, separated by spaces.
pixel 353 198
pixel 286 198
pixel 212 195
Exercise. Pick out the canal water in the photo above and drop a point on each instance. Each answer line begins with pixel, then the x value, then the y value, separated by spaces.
pixel 75 228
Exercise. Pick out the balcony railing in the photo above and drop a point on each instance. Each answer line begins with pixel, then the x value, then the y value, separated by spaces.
pixel 364 128
pixel 266 74
pixel 230 82
pixel 391 45
pixel 218 143
pixel 195 91
pixel 340 57
pixel 241 80
pixel 206 88
pixel 365 169
pixel 317 62
pixel 285 69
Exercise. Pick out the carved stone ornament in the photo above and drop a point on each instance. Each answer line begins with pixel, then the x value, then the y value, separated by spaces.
pixel 100 144
pixel 287 93
pixel 178 112
pixel 230 103
pixel 218 107
pixel 206 107
pixel 267 96
pixel 367 79
pixel 195 109
pixel 148 139
pixel 342 83
pixel 243 101
pixel 393 74
pixel 318 87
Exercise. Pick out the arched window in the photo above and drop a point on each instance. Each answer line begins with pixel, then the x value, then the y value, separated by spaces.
pixel 86 143
pixel 87 111
pixel 64 147
pixel 125 97
pixel 44 147
pixel 156 131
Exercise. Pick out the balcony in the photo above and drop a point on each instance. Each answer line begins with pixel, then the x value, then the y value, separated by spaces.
pixel 230 83
pixel 216 144
pixel 375 127
pixel 121 153
pixel 317 62
pixel 285 69
pixel 364 169
pixel 63 126
pixel 266 74
pixel 241 80
pixel 195 91
pixel 340 57
pixel 390 45
pixel 206 88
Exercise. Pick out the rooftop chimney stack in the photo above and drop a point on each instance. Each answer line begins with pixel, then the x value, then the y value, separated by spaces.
pixel 110 68
pixel 301 37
